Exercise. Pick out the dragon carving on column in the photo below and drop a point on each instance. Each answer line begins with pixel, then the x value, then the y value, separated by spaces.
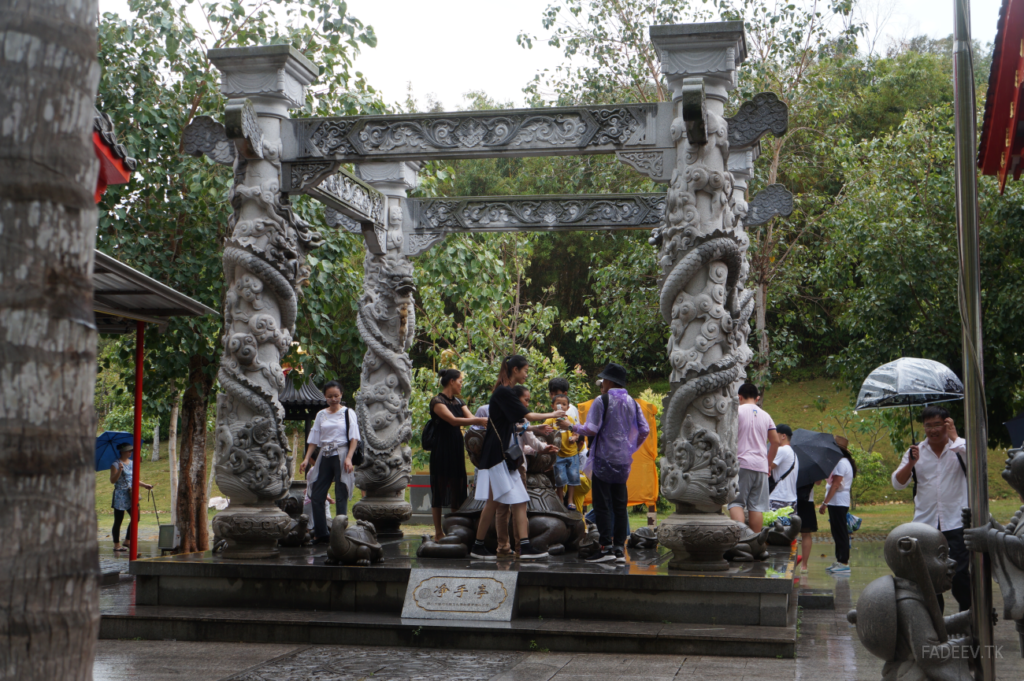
pixel 387 325
pixel 265 268
pixel 703 300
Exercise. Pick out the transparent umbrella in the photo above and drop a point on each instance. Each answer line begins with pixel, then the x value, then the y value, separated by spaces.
pixel 909 382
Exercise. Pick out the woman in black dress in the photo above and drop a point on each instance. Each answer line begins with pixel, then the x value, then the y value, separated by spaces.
pixel 494 483
pixel 448 460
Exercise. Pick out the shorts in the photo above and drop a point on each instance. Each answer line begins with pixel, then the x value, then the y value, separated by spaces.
pixel 808 517
pixel 753 494
pixel 567 471
pixel 776 504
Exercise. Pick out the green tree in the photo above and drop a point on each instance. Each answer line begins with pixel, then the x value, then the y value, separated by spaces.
pixel 170 221
pixel 891 264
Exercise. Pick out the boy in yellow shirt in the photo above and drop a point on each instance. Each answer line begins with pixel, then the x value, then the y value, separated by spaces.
pixel 567 466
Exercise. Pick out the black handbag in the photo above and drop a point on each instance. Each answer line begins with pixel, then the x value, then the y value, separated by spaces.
pixel 428 438
pixel 513 453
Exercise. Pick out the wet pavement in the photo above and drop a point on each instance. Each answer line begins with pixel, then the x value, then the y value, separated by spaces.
pixel 827 650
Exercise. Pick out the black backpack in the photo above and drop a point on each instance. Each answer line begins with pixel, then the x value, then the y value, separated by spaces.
pixel 357 456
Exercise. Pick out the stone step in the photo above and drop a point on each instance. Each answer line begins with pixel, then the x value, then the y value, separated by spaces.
pixel 525 634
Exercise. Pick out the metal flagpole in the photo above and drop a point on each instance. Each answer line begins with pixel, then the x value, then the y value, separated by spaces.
pixel 969 281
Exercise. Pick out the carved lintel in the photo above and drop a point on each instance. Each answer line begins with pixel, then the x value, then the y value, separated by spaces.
pixel 763 114
pixel 206 136
pixel 240 124
pixel 694 110
pixel 522 213
pixel 344 195
pixel 476 134
pixel 773 200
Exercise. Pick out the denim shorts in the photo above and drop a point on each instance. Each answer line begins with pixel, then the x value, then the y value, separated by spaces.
pixel 567 471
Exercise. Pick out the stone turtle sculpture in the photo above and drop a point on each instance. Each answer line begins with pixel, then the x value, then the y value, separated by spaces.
pixel 353 545
pixel 591 542
pixel 298 533
pixel 751 546
pixel 898 617
pixel 449 547
pixel 643 538
pixel 553 527
pixel 784 535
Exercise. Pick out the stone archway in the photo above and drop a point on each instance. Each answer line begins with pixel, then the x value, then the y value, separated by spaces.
pixel 697 225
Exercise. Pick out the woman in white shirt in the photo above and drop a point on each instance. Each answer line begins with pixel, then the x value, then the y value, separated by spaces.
pixel 837 502
pixel 336 432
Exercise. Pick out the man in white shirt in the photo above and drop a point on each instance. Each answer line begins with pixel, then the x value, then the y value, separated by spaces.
pixel 785 469
pixel 939 470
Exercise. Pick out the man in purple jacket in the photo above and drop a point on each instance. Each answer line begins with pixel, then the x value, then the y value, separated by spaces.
pixel 616 428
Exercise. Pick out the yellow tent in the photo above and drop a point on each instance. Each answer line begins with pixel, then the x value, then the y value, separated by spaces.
pixel 643 476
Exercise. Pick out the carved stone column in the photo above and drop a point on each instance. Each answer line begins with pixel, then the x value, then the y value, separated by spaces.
pixel 703 259
pixel 264 268
pixel 387 324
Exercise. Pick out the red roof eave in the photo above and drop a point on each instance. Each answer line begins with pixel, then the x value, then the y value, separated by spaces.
pixel 999 151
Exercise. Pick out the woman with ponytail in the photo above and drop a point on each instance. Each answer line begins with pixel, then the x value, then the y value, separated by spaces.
pixel 448 459
pixel 495 483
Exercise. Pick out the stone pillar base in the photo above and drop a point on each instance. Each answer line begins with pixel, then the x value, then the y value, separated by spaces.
pixel 698 540
pixel 251 531
pixel 387 511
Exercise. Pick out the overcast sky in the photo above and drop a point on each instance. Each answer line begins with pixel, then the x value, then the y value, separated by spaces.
pixel 446 48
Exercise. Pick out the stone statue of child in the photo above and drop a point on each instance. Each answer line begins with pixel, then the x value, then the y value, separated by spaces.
pixel 1005 546
pixel 898 617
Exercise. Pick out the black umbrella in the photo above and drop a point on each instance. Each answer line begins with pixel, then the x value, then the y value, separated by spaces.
pixel 1015 426
pixel 817 453
pixel 909 382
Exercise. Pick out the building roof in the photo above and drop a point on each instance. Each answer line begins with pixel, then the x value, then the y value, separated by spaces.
pixel 122 295
pixel 300 404
pixel 1002 128
pixel 307 396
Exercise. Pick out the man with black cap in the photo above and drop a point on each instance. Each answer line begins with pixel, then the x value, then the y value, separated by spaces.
pixel 616 427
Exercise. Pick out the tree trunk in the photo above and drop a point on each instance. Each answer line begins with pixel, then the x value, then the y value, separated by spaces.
pixel 761 304
pixel 192 464
pixel 156 443
pixel 172 455
pixel 49 599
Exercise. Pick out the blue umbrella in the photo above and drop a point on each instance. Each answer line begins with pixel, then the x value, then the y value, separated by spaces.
pixel 106 448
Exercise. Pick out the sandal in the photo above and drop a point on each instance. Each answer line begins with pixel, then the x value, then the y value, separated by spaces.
pixel 119 549
pixel 572 507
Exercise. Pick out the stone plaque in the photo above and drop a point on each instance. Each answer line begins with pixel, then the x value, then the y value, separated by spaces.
pixel 460 595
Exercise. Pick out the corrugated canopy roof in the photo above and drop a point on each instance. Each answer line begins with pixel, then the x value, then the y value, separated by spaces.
pixel 122 294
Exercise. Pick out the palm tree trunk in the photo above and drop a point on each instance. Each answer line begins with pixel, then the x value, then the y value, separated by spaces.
pixel 49 600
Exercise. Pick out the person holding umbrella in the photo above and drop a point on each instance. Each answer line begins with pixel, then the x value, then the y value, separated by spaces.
pixel 939 472
pixel 817 456
pixel 121 477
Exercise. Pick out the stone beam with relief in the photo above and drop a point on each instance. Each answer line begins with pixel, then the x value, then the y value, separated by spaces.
pixel 479 134
pixel 428 221
pixel 343 194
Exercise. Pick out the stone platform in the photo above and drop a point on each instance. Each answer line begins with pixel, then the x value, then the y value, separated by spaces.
pixel 748 610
